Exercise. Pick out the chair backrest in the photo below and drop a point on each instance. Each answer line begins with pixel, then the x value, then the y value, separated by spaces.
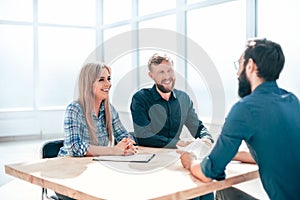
pixel 51 148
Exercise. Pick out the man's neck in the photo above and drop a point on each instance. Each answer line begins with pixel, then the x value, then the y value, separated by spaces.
pixel 165 96
pixel 256 82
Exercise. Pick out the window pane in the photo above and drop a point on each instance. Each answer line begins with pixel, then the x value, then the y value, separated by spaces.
pixel 195 1
pixel 70 12
pixel 145 55
pixel 117 42
pixel 146 46
pixel 16 57
pixel 62 52
pixel 147 7
pixel 20 10
pixel 116 10
pixel 110 33
pixel 118 55
pixel 123 81
pixel 167 22
pixel 223 39
pixel 285 32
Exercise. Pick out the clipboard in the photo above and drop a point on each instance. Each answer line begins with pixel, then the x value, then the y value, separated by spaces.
pixel 142 158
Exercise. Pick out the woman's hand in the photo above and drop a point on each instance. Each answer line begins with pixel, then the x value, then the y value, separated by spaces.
pixel 126 145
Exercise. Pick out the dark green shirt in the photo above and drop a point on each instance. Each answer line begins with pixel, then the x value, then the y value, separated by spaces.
pixel 158 123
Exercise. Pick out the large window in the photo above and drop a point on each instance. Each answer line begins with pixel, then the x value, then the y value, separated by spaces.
pixel 221 31
pixel 61 53
pixel 67 12
pixel 22 12
pixel 284 29
pixel 115 11
pixel 44 43
pixel 16 55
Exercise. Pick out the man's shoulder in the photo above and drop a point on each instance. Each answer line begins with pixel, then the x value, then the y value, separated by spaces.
pixel 178 91
pixel 181 94
pixel 245 105
pixel 143 92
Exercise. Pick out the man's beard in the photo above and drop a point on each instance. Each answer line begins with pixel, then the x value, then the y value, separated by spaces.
pixel 244 85
pixel 163 89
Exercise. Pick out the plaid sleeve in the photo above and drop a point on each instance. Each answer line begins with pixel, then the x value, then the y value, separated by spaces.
pixel 119 130
pixel 75 129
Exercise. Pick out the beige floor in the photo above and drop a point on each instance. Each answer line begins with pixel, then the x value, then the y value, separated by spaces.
pixel 19 151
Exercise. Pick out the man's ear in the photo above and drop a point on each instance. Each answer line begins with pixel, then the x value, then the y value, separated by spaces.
pixel 150 74
pixel 251 66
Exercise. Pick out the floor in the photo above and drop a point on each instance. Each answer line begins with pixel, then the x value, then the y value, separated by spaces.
pixel 14 152
pixel 18 151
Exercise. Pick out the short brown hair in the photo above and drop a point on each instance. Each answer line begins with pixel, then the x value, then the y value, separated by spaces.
pixel 157 58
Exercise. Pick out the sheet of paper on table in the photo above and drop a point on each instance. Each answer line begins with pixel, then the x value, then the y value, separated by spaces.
pixel 198 147
pixel 132 158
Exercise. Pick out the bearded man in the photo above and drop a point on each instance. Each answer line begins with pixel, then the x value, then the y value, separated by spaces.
pixel 159 113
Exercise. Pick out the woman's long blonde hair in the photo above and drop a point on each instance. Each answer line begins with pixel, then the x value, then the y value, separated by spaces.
pixel 86 97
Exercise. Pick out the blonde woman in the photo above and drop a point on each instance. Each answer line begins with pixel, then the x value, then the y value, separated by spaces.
pixel 91 123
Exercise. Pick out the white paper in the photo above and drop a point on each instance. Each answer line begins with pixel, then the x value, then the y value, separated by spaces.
pixel 131 158
pixel 198 147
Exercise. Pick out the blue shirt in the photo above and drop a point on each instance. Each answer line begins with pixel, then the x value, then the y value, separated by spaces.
pixel 268 120
pixel 158 123
pixel 77 141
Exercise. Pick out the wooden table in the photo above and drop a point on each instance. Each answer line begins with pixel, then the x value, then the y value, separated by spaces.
pixel 162 178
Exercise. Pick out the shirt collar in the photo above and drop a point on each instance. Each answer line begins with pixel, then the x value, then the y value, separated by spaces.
pixel 157 96
pixel 266 86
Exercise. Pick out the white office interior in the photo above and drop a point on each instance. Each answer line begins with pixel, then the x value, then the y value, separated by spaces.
pixel 44 43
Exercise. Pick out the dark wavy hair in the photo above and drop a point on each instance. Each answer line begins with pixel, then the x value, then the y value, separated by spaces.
pixel 267 55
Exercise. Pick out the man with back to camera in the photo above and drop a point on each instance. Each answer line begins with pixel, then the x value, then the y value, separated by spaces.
pixel 160 112
pixel 267 118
